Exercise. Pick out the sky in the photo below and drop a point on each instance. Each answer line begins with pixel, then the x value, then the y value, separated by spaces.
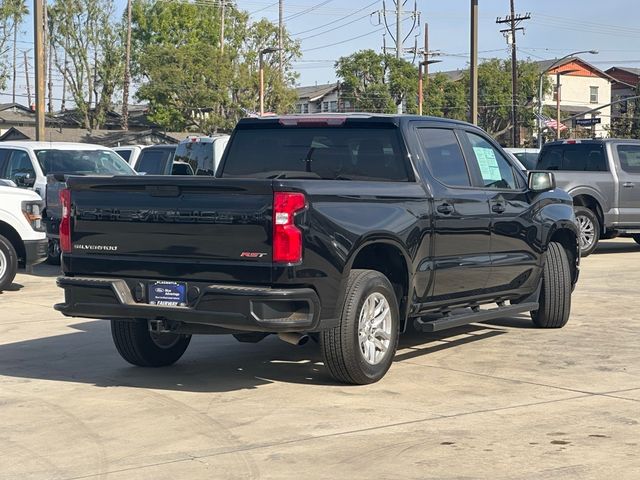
pixel 334 28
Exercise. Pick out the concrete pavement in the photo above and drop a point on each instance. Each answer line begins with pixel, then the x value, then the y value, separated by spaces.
pixel 500 400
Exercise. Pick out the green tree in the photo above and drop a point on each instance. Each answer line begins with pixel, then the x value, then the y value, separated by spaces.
pixel 85 31
pixel 375 82
pixel 12 13
pixel 445 98
pixel 635 123
pixel 189 82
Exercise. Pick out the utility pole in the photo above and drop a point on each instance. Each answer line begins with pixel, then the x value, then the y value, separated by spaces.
pixel 397 38
pixel 127 72
pixel 281 34
pixel 38 30
pixel 473 70
pixel 510 34
pixel 49 58
pixel 26 75
pixel 423 68
pixel 223 4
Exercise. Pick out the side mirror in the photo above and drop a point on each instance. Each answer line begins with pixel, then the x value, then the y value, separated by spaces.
pixel 24 180
pixel 541 181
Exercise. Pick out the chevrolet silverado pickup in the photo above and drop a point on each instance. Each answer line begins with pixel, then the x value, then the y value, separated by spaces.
pixel 347 229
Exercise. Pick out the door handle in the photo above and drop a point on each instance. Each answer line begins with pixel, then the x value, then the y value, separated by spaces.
pixel 628 184
pixel 498 207
pixel 445 208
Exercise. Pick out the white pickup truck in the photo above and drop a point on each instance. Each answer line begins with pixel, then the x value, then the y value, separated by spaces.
pixel 23 241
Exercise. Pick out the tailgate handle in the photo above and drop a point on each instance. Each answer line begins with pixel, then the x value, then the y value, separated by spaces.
pixel 163 190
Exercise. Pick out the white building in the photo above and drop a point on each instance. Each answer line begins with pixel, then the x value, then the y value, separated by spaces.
pixel 585 93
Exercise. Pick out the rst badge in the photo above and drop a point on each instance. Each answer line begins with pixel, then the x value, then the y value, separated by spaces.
pixel 253 254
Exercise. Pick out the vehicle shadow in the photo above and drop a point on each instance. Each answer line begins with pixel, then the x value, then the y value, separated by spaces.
pixel 43 270
pixel 611 246
pixel 14 287
pixel 211 364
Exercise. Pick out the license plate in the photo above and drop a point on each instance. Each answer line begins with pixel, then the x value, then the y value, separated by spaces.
pixel 168 294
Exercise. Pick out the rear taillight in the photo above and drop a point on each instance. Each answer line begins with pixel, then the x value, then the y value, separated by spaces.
pixel 65 223
pixel 287 237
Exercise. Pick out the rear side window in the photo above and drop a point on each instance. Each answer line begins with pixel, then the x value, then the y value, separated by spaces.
pixel 154 161
pixel 528 159
pixel 629 156
pixel 444 156
pixel 333 153
pixel 125 154
pixel 575 157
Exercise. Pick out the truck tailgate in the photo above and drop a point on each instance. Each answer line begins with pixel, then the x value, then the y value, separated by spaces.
pixel 195 228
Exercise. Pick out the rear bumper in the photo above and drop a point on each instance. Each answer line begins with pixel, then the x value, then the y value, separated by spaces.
pixel 255 309
pixel 35 251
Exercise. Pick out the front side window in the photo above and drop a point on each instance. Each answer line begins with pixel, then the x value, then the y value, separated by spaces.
pixel 629 156
pixel 18 163
pixel 495 170
pixel 593 94
pixel 444 156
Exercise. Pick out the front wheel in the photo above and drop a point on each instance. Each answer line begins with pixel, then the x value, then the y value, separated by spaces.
pixel 555 295
pixel 360 350
pixel 8 263
pixel 589 226
pixel 138 346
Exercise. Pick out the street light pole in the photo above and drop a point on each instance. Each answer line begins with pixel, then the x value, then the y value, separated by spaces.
pixel 539 122
pixel 261 69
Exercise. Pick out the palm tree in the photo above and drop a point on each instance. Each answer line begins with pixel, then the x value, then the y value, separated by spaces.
pixel 18 10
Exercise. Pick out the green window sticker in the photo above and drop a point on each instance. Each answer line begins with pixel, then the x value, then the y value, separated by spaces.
pixel 488 164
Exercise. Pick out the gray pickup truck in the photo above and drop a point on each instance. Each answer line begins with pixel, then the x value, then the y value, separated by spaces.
pixel 603 177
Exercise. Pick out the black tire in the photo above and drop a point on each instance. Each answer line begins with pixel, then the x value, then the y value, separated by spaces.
pixel 584 216
pixel 555 295
pixel 636 238
pixel 53 252
pixel 340 346
pixel 137 346
pixel 8 263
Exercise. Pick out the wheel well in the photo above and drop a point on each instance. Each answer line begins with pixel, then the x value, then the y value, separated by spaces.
pixel 592 204
pixel 389 261
pixel 10 234
pixel 569 242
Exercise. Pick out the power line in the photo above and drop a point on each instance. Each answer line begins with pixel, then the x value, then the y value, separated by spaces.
pixel 334 28
pixel 308 10
pixel 331 23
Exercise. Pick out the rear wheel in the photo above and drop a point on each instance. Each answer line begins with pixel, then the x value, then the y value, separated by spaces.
pixel 360 350
pixel 8 263
pixel 555 295
pixel 138 346
pixel 589 227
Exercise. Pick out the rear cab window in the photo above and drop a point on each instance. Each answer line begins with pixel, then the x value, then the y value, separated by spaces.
pixel 346 152
pixel 574 157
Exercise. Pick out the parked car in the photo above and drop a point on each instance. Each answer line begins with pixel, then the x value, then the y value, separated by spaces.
pixel 343 228
pixel 202 153
pixel 42 165
pixel 23 242
pixel 527 156
pixel 603 177
pixel 161 160
pixel 130 153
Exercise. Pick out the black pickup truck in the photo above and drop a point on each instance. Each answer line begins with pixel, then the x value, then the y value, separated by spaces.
pixel 344 228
